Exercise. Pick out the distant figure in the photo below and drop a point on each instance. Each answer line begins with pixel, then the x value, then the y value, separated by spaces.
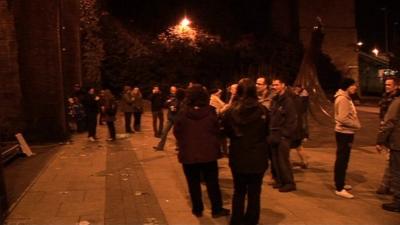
pixel 388 137
pixel 109 108
pixel 137 104
pixel 127 108
pixel 347 123
pixel 157 103
pixel 196 130
pixel 246 125
pixel 300 99
pixel 91 104
pixel 391 92
pixel 173 104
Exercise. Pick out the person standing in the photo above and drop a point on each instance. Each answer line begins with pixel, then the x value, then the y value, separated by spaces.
pixel 127 109
pixel 157 111
pixel 173 104
pixel 91 105
pixel 391 92
pixel 388 137
pixel 282 127
pixel 109 109
pixel 263 94
pixel 196 130
pixel 246 125
pixel 346 124
pixel 137 104
pixel 300 99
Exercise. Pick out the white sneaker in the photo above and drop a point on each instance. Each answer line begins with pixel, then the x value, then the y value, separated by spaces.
pixel 343 193
pixel 347 187
pixel 92 139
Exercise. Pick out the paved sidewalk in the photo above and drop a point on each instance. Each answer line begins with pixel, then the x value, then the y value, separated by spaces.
pixel 126 182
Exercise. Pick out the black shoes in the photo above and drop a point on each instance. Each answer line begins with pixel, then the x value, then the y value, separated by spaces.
pixel 287 188
pixel 221 213
pixel 392 207
pixel 197 214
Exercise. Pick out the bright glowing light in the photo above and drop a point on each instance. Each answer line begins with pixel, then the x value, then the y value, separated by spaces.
pixel 375 51
pixel 360 43
pixel 185 22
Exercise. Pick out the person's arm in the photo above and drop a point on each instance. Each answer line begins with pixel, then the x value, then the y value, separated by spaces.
pixel 389 123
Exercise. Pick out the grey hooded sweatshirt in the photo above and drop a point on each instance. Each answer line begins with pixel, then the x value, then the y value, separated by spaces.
pixel 345 114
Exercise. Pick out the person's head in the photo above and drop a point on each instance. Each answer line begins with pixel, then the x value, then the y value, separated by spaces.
pixel 348 85
pixel 92 91
pixel 391 84
pixel 156 89
pixel 233 89
pixel 278 86
pixel 136 91
pixel 246 89
pixel 297 89
pixel 173 90
pixel 108 94
pixel 77 87
pixel 127 88
pixel 71 100
pixel 196 95
pixel 261 84
pixel 102 92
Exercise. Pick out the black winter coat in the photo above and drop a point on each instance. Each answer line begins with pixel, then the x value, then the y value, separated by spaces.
pixel 246 125
pixel 283 117
pixel 196 131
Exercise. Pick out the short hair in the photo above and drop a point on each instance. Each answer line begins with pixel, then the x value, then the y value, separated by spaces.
pixel 346 83
pixel 281 79
pixel 395 79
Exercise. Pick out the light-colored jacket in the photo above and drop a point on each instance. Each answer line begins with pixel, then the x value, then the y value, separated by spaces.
pixel 346 118
pixel 389 132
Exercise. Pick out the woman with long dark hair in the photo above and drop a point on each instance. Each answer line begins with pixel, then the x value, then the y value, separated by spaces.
pixel 246 125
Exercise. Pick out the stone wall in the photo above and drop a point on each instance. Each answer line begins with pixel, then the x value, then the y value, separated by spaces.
pixel 37 25
pixel 340 31
pixel 11 120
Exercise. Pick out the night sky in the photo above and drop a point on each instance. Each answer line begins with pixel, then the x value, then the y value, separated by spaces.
pixel 233 18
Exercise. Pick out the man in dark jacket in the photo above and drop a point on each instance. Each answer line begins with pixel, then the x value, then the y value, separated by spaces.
pixel 157 104
pixel 283 122
pixel 388 137
pixel 173 104
pixel 196 130
pixel 391 92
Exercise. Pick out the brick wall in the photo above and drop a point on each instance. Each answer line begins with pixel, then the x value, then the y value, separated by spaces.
pixel 11 120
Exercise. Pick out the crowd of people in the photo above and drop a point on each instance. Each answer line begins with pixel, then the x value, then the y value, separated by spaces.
pixel 255 126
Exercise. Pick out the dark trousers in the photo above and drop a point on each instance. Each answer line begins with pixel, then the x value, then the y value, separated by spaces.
pixel 164 134
pixel 250 185
pixel 137 120
pixel 343 143
pixel 111 129
pixel 281 167
pixel 209 171
pixel 158 122
pixel 128 121
pixel 92 124
pixel 395 174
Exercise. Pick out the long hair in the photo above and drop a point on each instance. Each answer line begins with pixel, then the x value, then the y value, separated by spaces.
pixel 246 89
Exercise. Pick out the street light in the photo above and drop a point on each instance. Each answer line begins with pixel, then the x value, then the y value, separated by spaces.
pixel 375 51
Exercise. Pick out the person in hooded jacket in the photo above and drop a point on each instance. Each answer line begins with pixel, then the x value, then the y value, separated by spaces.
pixel 196 130
pixel 246 125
